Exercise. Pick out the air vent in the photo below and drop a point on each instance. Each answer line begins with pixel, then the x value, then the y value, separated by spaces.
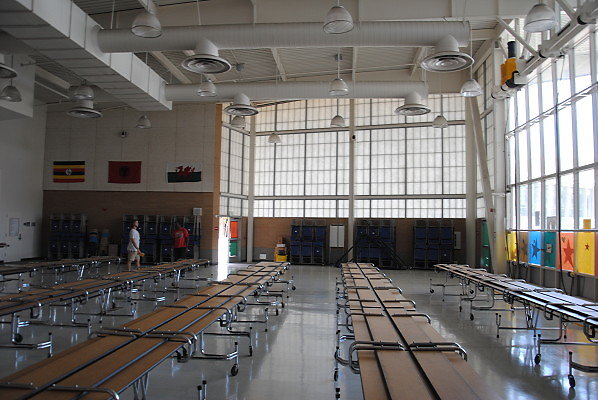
pixel 241 106
pixel 84 109
pixel 447 57
pixel 412 106
pixel 206 60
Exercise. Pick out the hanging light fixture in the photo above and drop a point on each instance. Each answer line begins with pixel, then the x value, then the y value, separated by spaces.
pixel 440 122
pixel 10 93
pixel 338 87
pixel 144 122
pixel 338 20
pixel 471 87
pixel 206 89
pixel 6 72
pixel 146 24
pixel 238 122
pixel 540 18
pixel 274 138
pixel 337 121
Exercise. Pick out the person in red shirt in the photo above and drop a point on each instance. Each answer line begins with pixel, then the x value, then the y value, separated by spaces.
pixel 180 237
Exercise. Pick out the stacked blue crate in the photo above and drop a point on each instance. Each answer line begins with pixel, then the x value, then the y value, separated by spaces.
pixel 374 238
pixel 433 242
pixel 165 228
pixel 295 249
pixel 308 242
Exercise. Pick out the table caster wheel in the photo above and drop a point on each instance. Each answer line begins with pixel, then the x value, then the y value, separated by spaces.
pixel 17 338
pixel 571 381
pixel 431 290
pixel 471 317
pixel 234 370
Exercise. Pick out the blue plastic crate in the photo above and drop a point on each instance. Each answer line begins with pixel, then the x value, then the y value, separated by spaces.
pixel 295 232
pixel 419 254
pixel 320 233
pixel 306 249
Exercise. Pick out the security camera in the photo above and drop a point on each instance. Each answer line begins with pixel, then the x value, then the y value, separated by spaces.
pixel 123 134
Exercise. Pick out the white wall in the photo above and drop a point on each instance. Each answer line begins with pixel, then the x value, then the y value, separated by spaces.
pixel 184 134
pixel 21 195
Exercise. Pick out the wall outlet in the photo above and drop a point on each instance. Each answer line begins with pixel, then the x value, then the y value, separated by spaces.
pixel 262 256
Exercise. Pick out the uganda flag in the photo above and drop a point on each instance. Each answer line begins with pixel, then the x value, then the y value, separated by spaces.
pixel 69 171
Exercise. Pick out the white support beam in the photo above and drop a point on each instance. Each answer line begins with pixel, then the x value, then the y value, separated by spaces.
pixel 354 63
pixel 173 69
pixel 279 66
pixel 488 46
pixel 419 54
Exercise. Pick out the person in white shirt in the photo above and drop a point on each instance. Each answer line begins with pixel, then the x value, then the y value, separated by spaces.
pixel 134 246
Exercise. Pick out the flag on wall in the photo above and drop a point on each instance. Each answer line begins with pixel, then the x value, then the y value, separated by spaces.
pixel 522 246
pixel 124 171
pixel 550 249
pixel 69 171
pixel 512 246
pixel 183 172
pixel 567 246
pixel 535 248
pixel 584 253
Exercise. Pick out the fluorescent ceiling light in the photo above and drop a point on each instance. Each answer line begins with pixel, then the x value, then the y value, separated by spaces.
pixel 241 106
pixel 84 109
pixel 413 106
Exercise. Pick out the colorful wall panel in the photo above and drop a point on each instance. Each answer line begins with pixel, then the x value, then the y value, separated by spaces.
pixel 535 248
pixel 550 249
pixel 522 246
pixel 585 244
pixel 512 246
pixel 567 250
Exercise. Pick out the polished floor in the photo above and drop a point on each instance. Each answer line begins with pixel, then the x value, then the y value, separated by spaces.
pixel 294 358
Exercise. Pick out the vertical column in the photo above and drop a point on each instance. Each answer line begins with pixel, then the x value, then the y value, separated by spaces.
pixel 470 190
pixel 351 222
pixel 500 176
pixel 251 192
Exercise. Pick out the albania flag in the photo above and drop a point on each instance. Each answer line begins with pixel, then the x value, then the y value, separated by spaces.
pixel 124 171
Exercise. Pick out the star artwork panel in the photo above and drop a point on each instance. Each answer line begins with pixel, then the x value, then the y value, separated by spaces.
pixel 522 246
pixel 585 252
pixel 535 248
pixel 567 247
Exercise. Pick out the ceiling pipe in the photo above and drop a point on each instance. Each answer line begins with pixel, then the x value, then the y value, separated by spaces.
pixel 292 35
pixel 265 91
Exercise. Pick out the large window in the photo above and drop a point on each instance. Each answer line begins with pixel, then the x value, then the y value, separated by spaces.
pixel 234 172
pixel 399 161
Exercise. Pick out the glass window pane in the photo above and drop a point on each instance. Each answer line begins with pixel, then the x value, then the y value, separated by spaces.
pixel 523 207
pixel 567 204
pixel 536 205
pixel 550 199
pixel 585 131
pixel 586 198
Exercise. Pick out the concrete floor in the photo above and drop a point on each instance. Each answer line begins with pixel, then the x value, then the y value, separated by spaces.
pixel 294 359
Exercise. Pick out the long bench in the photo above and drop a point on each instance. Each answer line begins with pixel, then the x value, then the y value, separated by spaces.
pixel 394 348
pixel 115 359
pixel 534 300
pixel 73 293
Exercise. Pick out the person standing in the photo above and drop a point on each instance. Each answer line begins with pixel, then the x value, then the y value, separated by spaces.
pixel 180 240
pixel 134 246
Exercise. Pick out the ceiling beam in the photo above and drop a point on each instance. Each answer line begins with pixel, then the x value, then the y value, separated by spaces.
pixel 279 66
pixel 419 54
pixel 487 46
pixel 169 65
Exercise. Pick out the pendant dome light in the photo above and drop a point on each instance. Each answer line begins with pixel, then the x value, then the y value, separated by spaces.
pixel 471 87
pixel 144 122
pixel 238 122
pixel 11 93
pixel 338 87
pixel 84 109
pixel 337 121
pixel 274 138
pixel 540 18
pixel 146 24
pixel 241 106
pixel 413 106
pixel 206 89
pixel 447 57
pixel 6 72
pixel 440 122
pixel 338 20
